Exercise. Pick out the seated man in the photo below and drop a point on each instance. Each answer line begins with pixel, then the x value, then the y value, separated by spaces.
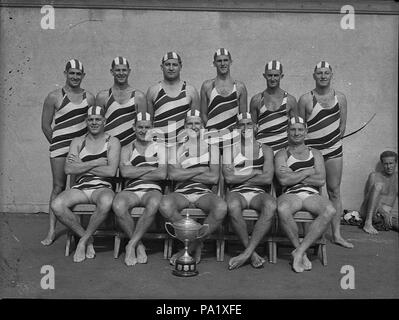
pixel 380 194
pixel 94 159
pixel 143 165
pixel 301 172
pixel 248 170
pixel 194 166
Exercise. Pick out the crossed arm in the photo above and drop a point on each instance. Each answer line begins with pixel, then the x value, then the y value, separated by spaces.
pixel 313 176
pixel 255 177
pixel 143 172
pixel 100 167
pixel 206 175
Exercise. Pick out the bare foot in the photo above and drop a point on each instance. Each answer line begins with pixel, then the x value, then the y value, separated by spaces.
pixel 237 261
pixel 80 252
pixel 306 263
pixel 297 264
pixel 176 256
pixel 369 229
pixel 141 254
pixel 130 255
pixel 49 239
pixel 198 251
pixel 257 261
pixel 90 253
pixel 342 242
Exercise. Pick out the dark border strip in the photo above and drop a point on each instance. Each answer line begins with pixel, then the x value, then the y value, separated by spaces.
pixel 382 7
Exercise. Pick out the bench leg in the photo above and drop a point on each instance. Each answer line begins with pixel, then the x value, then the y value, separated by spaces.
pixel 170 248
pixel 69 239
pixel 274 252
pixel 165 248
pixel 270 251
pixel 323 253
pixel 117 245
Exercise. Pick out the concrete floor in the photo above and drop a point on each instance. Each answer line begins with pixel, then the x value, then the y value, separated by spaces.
pixel 375 260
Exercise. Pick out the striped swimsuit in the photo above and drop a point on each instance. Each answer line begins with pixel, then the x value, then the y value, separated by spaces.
pixel 69 123
pixel 324 129
pixel 88 180
pixel 273 125
pixel 190 189
pixel 173 110
pixel 138 160
pixel 242 163
pixel 297 165
pixel 120 119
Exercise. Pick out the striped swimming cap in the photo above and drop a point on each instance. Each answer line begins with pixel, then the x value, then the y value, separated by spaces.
pixel 243 116
pixel 171 55
pixel 322 64
pixel 296 119
pixel 221 52
pixel 274 65
pixel 193 113
pixel 119 60
pixel 74 64
pixel 143 116
pixel 96 111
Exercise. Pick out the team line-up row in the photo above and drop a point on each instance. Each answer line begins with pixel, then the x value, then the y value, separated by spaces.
pixel 319 116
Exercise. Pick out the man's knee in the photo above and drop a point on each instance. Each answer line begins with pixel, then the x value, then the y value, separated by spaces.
pixel 119 206
pixel 166 207
pixel 330 211
pixel 104 202
pixel 269 208
pixel 334 192
pixel 284 210
pixel 219 209
pixel 58 188
pixel 234 206
pixel 153 205
pixel 57 206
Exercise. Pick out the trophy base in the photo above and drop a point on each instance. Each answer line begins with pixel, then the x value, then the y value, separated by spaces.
pixel 185 269
pixel 185 273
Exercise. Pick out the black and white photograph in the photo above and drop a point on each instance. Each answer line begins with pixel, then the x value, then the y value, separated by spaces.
pixel 195 155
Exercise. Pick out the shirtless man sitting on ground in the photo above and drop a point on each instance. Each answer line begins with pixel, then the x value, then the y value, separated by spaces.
pixel 381 193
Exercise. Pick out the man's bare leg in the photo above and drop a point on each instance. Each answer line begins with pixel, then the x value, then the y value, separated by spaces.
pixel 235 204
pixel 151 201
pixel 59 183
pixel 266 206
pixel 372 203
pixel 102 198
pixel 287 205
pixel 333 182
pixel 123 202
pixel 61 207
pixel 325 212
pixel 216 210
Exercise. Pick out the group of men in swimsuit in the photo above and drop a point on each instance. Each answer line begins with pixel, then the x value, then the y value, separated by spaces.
pixel 160 135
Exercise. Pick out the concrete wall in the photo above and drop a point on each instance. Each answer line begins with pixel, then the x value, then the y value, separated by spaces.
pixel 364 60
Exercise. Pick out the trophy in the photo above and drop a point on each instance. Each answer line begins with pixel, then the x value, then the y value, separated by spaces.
pixel 186 230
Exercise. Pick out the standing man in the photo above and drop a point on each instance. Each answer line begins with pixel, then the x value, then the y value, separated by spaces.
pixel 248 169
pixel 324 111
pixel 380 194
pixel 169 100
pixel 300 170
pixel 272 108
pixel 121 103
pixel 67 108
pixel 194 166
pixel 143 165
pixel 94 159
pixel 222 98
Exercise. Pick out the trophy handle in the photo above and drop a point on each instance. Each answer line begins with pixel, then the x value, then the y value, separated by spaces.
pixel 167 230
pixel 206 225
